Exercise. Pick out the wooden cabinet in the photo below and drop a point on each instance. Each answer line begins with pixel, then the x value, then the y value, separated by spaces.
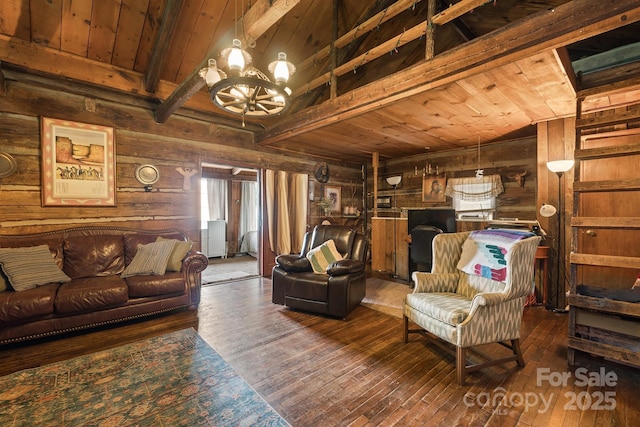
pixel 605 226
pixel 383 252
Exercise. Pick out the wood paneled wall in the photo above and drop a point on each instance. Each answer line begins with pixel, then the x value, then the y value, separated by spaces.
pixel 506 158
pixel 182 142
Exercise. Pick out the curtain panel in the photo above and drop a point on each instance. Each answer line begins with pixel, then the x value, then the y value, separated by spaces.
pixel 287 200
pixel 474 189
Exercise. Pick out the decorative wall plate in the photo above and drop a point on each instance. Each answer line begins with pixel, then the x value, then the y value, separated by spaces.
pixel 8 165
pixel 147 174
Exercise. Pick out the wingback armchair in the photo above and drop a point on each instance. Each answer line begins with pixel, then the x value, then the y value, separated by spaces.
pixel 336 288
pixel 468 309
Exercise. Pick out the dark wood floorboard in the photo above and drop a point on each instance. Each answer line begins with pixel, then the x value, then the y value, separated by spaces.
pixel 319 371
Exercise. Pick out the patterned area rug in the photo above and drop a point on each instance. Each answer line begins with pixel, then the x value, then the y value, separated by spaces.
pixel 385 296
pixel 171 380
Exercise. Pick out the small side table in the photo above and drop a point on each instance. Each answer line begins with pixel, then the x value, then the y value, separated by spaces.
pixel 542 259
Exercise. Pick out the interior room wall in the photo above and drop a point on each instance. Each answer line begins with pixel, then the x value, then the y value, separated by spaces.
pixel 182 142
pixel 514 160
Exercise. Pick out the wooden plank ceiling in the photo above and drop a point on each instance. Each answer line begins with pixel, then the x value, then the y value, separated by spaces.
pixel 495 68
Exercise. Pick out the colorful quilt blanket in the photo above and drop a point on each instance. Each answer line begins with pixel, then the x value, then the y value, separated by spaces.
pixel 486 252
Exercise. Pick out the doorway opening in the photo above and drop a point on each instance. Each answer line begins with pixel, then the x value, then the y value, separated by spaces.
pixel 229 222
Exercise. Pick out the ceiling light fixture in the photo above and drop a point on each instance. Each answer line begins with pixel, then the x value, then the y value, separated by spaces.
pixel 243 89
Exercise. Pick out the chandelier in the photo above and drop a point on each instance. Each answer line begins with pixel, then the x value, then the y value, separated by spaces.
pixel 243 89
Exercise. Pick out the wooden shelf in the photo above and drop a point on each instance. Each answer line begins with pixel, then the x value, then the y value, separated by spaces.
pixel 605 181
pixel 605 304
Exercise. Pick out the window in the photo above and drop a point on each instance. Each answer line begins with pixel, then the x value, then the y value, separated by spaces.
pixel 474 198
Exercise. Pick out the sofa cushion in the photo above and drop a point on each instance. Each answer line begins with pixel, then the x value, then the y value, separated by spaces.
pixel 132 241
pixel 29 267
pixel 151 258
pixel 91 294
pixel 94 255
pixel 22 306
pixel 55 243
pixel 442 306
pixel 322 256
pixel 180 250
pixel 148 286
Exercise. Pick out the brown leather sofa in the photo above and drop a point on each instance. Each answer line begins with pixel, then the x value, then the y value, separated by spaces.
pixel 94 258
pixel 335 293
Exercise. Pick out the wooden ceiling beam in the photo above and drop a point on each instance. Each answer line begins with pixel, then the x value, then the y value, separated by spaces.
pixel 161 46
pixel 551 29
pixel 456 10
pixel 368 25
pixel 262 15
pixel 382 49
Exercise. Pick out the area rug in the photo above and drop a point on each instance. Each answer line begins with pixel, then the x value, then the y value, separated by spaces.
pixel 385 296
pixel 171 380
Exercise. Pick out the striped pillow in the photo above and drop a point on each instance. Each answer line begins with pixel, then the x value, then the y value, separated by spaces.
pixel 322 256
pixel 151 258
pixel 29 267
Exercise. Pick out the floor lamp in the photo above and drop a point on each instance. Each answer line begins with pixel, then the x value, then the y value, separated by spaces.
pixel 559 167
pixel 394 181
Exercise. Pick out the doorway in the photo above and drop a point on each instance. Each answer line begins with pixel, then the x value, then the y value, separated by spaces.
pixel 230 218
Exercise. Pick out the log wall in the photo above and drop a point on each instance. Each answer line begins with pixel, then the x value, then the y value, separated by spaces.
pixel 184 141
pixel 507 158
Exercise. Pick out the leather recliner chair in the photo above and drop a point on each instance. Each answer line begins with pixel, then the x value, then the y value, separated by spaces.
pixel 335 293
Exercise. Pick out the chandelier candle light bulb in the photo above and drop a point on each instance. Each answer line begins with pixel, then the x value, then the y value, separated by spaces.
pixel 247 91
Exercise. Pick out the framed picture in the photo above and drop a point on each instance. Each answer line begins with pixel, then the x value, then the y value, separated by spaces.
pixel 78 164
pixel 433 187
pixel 333 194
pixel 383 202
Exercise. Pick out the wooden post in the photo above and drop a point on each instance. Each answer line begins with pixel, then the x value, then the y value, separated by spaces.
pixel 333 84
pixel 376 162
pixel 431 31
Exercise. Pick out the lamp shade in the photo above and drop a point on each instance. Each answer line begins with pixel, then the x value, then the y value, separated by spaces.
pixel 560 166
pixel 547 210
pixel 282 69
pixel 394 180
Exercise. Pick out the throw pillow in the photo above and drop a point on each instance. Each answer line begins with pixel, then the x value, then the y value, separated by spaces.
pixel 180 250
pixel 322 256
pixel 486 253
pixel 31 266
pixel 151 258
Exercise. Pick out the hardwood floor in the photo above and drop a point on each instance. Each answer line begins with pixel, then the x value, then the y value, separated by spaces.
pixel 318 371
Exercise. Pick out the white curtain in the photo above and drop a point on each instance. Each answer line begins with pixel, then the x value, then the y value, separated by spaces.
pixel 217 196
pixel 474 189
pixel 248 208
pixel 287 198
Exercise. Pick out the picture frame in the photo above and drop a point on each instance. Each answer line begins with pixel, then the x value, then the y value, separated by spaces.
pixel 433 187
pixel 335 195
pixel 78 163
pixel 383 202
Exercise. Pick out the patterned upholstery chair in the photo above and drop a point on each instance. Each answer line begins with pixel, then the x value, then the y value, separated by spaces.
pixel 466 309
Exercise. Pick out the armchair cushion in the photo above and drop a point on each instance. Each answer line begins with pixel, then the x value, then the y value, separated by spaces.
pixel 445 307
pixel 322 256
pixel 293 263
pixel 345 266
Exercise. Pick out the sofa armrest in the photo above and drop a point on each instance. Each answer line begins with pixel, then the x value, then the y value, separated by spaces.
pixel 431 282
pixel 192 265
pixel 293 263
pixel 345 266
